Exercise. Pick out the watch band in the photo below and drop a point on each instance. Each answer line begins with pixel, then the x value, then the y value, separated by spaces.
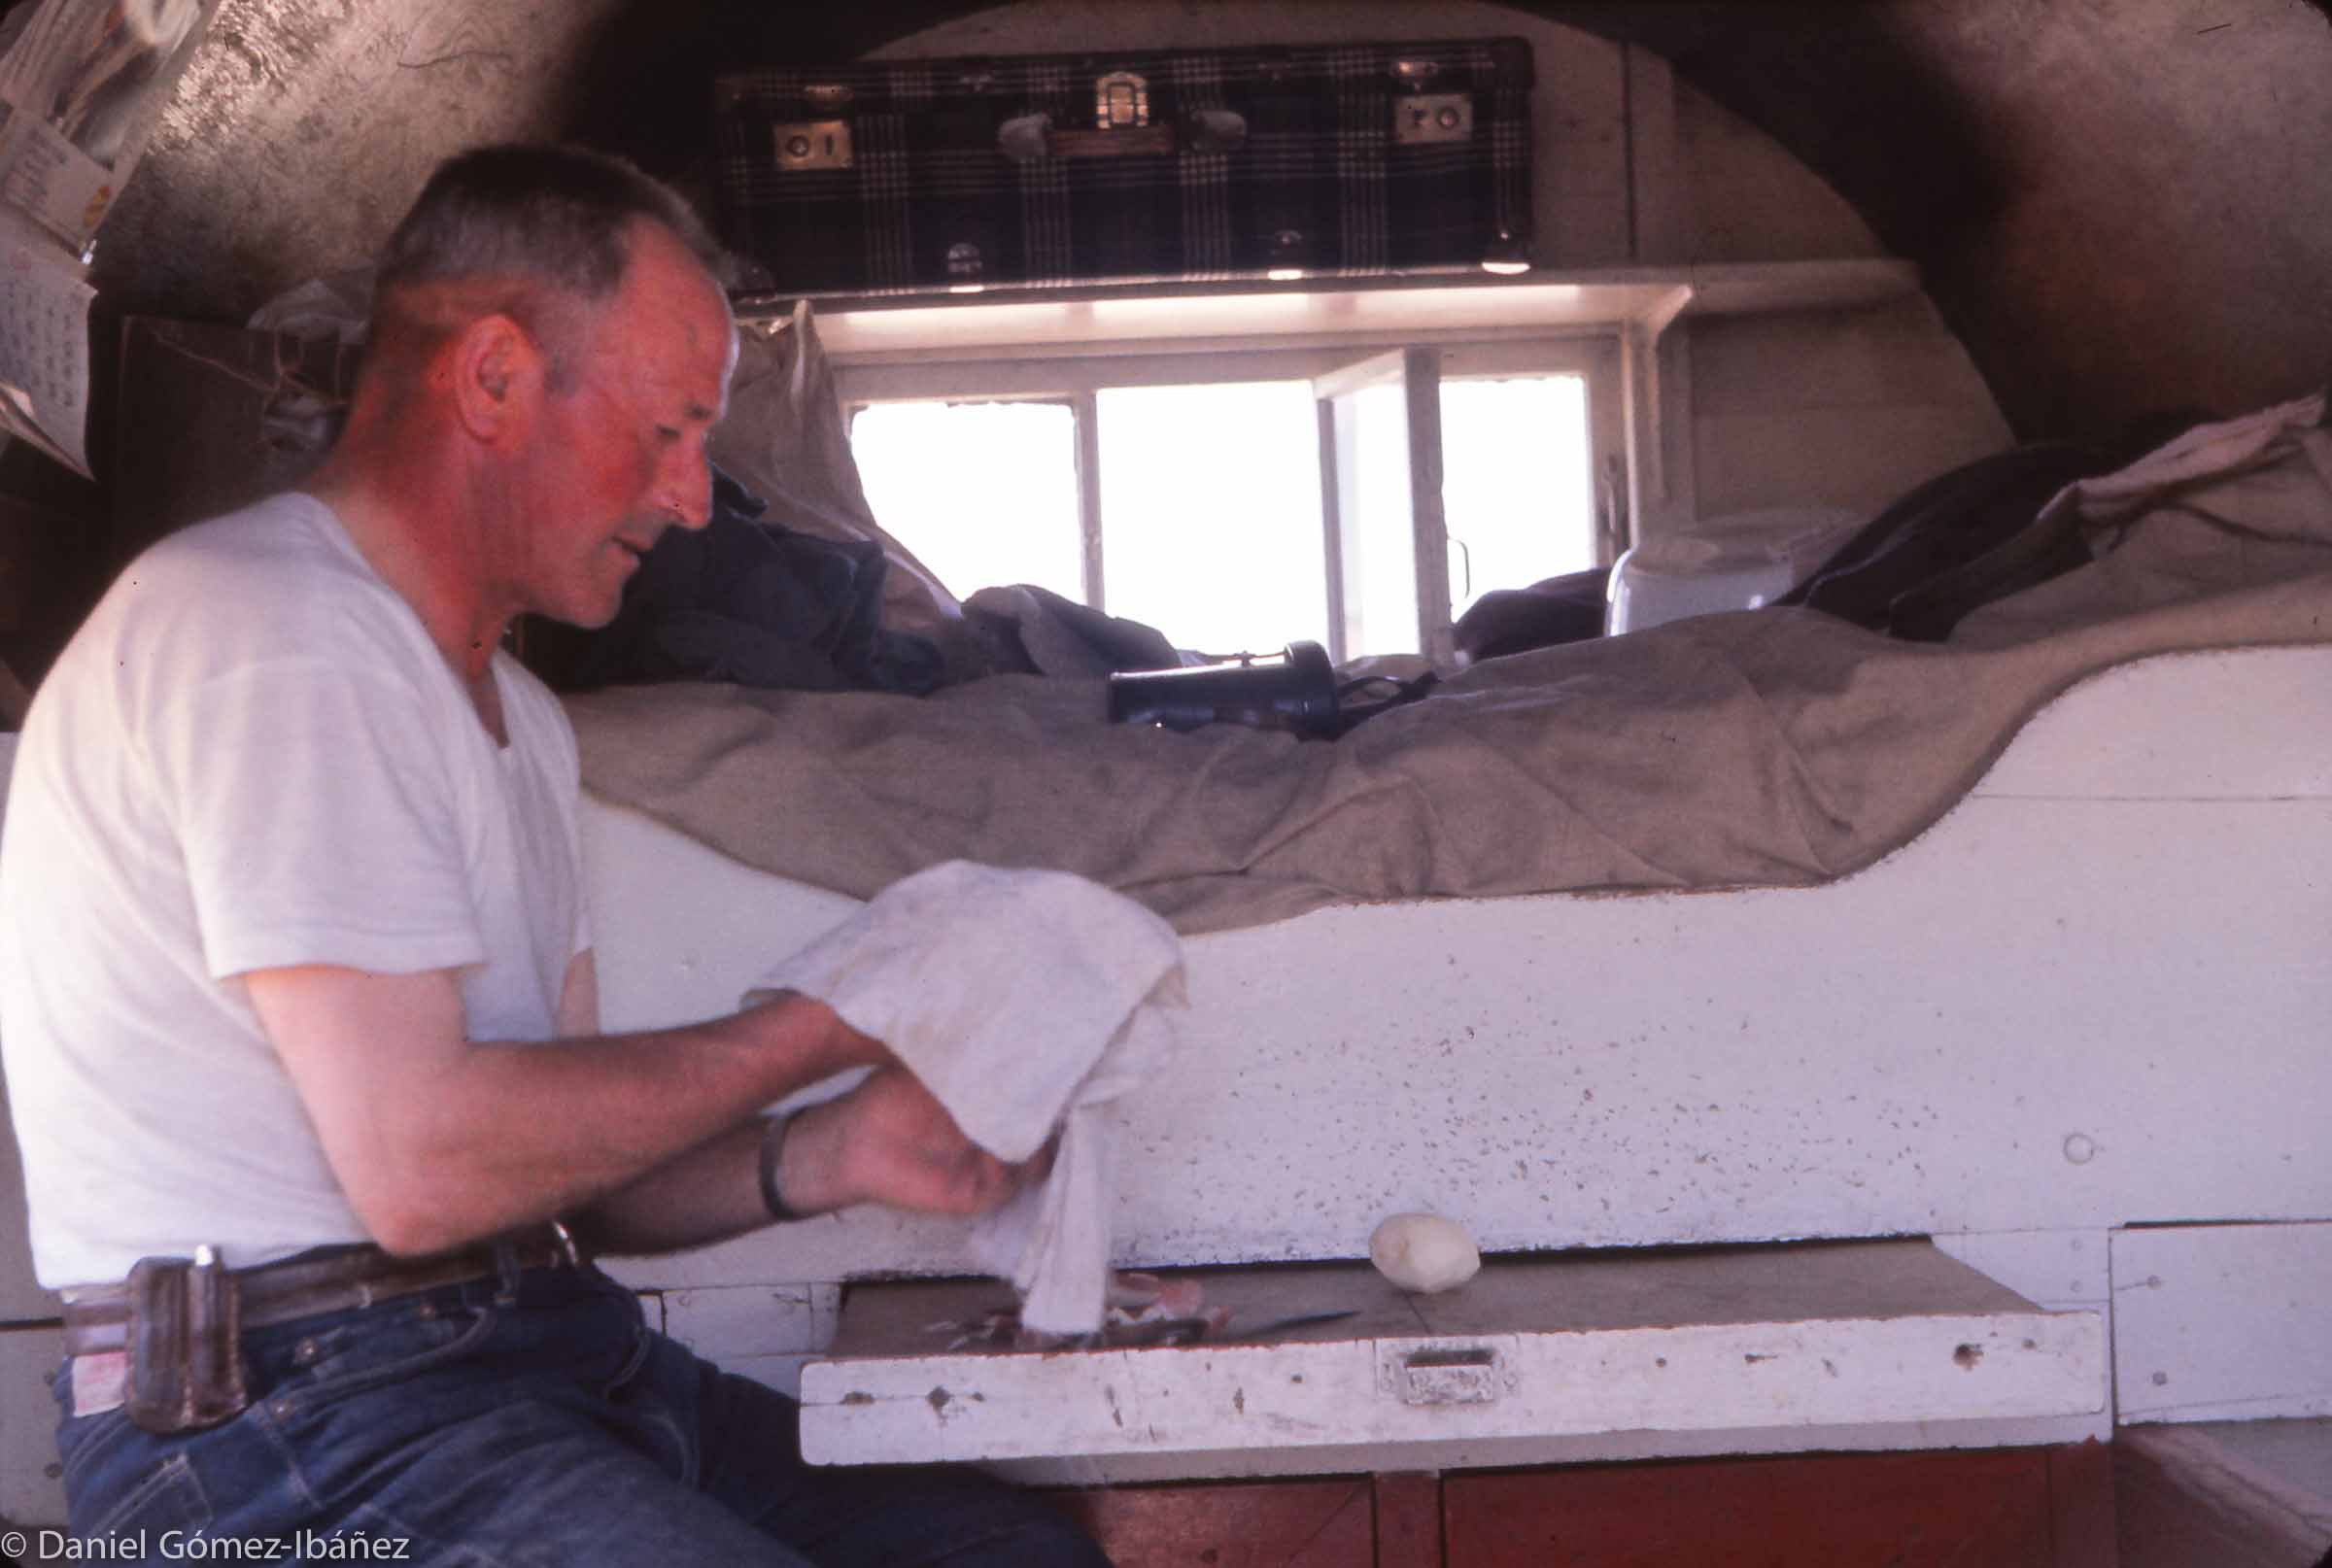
pixel 773 1148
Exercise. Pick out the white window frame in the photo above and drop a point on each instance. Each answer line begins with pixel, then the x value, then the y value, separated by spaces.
pixel 1078 378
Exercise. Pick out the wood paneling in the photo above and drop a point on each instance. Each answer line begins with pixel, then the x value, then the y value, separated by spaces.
pixel 2022 1508
pixel 212 417
pixel 1861 1511
pixel 49 579
pixel 2080 1500
pixel 1409 1520
pixel 1288 1525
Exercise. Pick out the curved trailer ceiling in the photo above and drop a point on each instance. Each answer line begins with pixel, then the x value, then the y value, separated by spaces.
pixel 2119 205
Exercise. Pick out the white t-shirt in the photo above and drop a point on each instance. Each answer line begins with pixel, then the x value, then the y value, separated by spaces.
pixel 253 756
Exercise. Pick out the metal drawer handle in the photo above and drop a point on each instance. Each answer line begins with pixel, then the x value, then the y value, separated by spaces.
pixel 1451 1377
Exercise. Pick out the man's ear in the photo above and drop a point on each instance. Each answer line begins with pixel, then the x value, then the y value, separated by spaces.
pixel 496 369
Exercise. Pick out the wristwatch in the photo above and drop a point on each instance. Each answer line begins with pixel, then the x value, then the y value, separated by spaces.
pixel 772 1149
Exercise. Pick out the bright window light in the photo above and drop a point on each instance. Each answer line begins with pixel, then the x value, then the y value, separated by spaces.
pixel 1210 515
pixel 1211 508
pixel 984 493
pixel 1516 491
pixel 1379 529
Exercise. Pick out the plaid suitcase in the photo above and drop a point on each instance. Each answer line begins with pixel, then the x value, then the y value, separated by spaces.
pixel 1342 160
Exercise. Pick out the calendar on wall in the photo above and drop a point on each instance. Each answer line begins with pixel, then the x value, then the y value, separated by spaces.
pixel 44 344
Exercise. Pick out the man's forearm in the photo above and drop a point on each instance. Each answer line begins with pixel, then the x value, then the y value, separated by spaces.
pixel 690 1093
pixel 886 1142
pixel 707 1194
pixel 439 1140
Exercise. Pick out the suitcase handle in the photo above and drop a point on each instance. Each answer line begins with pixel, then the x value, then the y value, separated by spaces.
pixel 1026 138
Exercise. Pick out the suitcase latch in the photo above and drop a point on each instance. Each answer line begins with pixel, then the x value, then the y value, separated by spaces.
pixel 1120 101
pixel 1121 127
pixel 813 144
pixel 1433 116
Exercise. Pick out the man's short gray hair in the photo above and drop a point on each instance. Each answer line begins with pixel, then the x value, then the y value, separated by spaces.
pixel 555 216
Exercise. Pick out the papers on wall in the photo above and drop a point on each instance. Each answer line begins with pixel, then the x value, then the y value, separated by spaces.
pixel 44 344
pixel 81 84
pixel 79 87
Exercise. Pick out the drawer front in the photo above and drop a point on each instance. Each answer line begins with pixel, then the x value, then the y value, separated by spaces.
pixel 1507 1365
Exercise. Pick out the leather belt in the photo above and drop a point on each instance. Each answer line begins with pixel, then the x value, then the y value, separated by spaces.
pixel 96 1317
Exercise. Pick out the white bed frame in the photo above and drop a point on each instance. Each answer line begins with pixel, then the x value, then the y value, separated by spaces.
pixel 2095 998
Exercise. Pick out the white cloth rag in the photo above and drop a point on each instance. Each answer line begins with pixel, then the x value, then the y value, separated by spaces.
pixel 2202 453
pixel 1024 1001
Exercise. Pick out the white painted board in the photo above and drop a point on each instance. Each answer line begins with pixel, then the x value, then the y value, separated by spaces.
pixel 1880 1331
pixel 762 1332
pixel 2217 726
pixel 32 1491
pixel 21 1297
pixel 2055 1269
pixel 2223 1322
pixel 2045 1016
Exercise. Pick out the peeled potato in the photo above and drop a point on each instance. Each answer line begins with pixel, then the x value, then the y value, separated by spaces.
pixel 1423 1253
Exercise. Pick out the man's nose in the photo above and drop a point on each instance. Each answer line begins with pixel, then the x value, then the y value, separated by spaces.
pixel 688 489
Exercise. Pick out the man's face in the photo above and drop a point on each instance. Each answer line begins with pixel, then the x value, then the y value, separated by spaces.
pixel 620 452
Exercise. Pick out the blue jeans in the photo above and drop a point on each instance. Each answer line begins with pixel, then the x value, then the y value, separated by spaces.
pixel 532 1421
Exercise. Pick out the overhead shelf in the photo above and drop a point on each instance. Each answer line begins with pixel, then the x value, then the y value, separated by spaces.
pixel 1324 312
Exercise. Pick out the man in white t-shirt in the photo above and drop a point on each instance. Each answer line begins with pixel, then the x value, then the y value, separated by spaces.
pixel 297 985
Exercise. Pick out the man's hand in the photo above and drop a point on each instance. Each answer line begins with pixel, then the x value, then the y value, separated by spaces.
pixel 889 1142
